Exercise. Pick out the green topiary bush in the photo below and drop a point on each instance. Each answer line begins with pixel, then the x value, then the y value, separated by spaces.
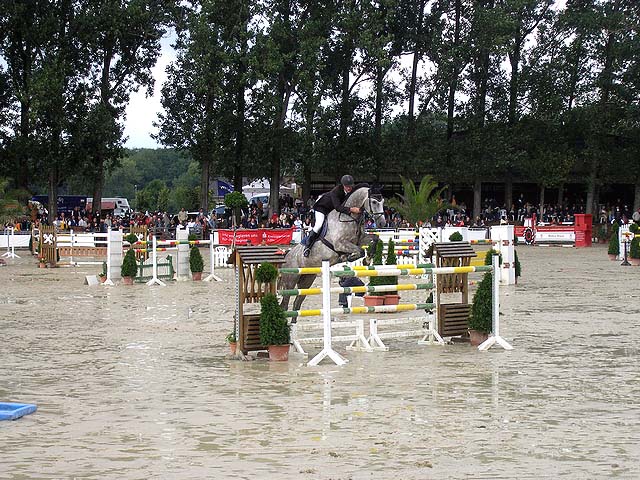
pixel 634 248
pixel 235 200
pixel 488 259
pixel 614 243
pixel 518 267
pixel 455 237
pixel 196 264
pixel 131 238
pixel 129 265
pixel 274 329
pixel 266 273
pixel 392 259
pixel 481 314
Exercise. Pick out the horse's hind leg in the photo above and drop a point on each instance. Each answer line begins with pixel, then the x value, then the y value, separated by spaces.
pixel 287 282
pixel 305 281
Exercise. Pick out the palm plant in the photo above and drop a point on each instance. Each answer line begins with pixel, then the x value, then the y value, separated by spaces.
pixel 421 204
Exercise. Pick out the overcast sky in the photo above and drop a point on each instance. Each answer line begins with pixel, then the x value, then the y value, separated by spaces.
pixel 142 110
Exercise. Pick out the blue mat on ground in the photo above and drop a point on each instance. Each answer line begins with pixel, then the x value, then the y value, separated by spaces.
pixel 13 411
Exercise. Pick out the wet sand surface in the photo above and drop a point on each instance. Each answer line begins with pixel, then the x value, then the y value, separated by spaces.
pixel 134 383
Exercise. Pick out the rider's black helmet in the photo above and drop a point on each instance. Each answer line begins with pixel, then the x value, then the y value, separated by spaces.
pixel 347 181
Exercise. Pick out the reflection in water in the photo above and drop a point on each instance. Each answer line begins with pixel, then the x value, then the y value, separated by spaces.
pixel 134 383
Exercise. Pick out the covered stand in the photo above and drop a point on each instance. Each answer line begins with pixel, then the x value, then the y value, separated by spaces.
pixel 246 259
pixel 453 318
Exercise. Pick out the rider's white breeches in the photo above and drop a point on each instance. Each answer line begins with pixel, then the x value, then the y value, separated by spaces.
pixel 319 221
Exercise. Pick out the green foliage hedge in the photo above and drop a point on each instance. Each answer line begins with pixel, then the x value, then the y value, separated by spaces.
pixel 266 273
pixel 481 314
pixel 274 329
pixel 196 264
pixel 614 243
pixel 129 265
pixel 455 237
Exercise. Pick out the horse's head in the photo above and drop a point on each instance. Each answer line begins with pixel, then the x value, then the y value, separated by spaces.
pixel 374 206
pixel 371 201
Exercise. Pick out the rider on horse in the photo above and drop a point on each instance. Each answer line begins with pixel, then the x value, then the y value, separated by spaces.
pixel 333 200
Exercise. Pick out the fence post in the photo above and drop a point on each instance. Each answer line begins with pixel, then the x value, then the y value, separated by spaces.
pixel 495 311
pixel 327 350
pixel 212 260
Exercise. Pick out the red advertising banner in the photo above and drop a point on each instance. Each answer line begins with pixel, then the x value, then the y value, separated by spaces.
pixel 256 237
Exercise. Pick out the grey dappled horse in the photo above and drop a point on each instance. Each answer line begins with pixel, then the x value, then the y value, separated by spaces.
pixel 345 233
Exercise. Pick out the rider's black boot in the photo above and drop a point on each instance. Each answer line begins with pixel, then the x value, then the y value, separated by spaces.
pixel 313 236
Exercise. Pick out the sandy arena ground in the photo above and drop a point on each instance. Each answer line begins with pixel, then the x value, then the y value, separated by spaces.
pixel 134 383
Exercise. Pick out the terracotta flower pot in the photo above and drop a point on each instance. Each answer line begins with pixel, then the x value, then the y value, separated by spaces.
pixel 634 261
pixel 612 256
pixel 373 300
pixel 102 278
pixel 127 280
pixel 391 299
pixel 196 276
pixel 233 346
pixel 477 337
pixel 278 353
pixel 42 265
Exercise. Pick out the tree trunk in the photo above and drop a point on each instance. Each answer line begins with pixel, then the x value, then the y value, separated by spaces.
pixel 98 181
pixel 411 127
pixel 542 192
pixel 345 113
pixel 237 178
pixel 514 59
pixel 205 164
pixel 477 198
pixel 591 189
pixel 636 198
pixel 377 130
pixel 306 183
pixel 276 151
pixel 453 81
pixel 560 201
pixel 508 191
pixel 53 194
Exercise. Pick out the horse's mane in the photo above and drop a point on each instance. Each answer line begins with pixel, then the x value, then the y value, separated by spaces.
pixel 357 197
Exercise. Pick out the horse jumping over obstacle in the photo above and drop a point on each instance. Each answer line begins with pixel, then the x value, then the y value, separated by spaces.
pixel 342 242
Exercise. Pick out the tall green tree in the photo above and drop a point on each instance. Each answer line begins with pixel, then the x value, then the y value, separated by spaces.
pixel 124 40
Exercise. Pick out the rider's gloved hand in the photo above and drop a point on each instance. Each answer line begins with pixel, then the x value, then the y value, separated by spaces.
pixel 354 210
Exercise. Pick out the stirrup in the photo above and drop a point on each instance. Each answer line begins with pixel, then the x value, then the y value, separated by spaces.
pixel 306 252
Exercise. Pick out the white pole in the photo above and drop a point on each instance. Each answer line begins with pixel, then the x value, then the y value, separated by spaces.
pixel 155 280
pixel 212 275
pixel 11 248
pixel 109 281
pixel 327 351
pixel 495 311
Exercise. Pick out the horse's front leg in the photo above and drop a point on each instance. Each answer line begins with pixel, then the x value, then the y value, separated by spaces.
pixel 353 251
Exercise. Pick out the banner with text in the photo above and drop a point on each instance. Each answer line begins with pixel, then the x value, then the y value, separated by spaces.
pixel 257 236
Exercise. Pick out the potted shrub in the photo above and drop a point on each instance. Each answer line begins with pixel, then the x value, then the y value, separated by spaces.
pixel 634 248
pixel 602 234
pixel 455 237
pixel 196 264
pixel 129 268
pixel 480 320
pixel 42 262
pixel 274 329
pixel 102 276
pixel 376 298
pixel 614 242
pixel 266 274
pixel 232 341
pixel 391 298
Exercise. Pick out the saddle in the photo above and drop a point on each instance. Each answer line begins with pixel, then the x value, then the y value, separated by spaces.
pixel 323 232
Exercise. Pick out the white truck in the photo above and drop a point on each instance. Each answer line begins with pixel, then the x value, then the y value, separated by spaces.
pixel 119 206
